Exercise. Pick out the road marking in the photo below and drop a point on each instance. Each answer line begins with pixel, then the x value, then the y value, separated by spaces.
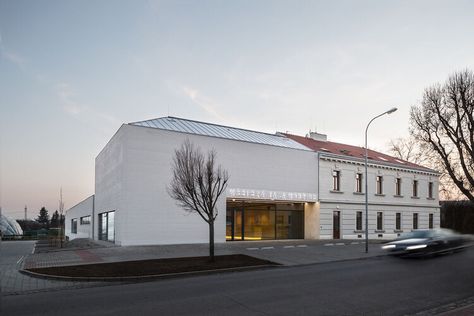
pixel 328 244
pixel 354 243
pixel 252 248
pixel 302 246
pixel 288 246
pixel 19 260
pixel 265 248
pixel 340 244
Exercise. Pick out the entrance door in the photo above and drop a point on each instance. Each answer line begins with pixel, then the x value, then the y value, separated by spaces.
pixel 336 224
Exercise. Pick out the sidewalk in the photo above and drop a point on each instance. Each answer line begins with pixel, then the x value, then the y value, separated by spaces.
pixel 288 252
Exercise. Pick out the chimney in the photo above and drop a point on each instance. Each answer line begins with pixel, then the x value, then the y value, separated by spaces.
pixel 318 136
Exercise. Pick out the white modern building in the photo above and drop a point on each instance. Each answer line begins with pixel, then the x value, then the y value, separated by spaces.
pixel 281 187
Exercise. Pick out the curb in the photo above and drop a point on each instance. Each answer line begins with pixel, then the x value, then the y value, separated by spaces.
pixel 146 277
pixel 183 274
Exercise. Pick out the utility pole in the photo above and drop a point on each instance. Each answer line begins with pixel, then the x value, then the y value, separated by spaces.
pixel 26 213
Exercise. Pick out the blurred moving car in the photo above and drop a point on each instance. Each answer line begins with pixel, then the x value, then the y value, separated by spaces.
pixel 425 242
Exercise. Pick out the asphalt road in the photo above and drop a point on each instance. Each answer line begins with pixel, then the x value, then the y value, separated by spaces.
pixel 377 286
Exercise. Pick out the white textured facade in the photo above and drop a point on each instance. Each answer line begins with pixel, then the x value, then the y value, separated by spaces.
pixel 82 215
pixel 347 201
pixel 133 172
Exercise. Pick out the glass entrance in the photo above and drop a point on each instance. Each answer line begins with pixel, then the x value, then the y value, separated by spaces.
pixel 107 226
pixel 264 221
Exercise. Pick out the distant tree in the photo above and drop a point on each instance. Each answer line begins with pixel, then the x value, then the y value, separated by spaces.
pixel 55 222
pixel 444 122
pixel 28 225
pixel 43 217
pixel 409 149
pixel 197 184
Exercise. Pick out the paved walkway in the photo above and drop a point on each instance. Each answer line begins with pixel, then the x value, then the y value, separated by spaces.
pixel 17 255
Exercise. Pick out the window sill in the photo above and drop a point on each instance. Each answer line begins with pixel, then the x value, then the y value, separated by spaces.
pixel 379 231
pixel 358 193
pixel 398 196
pixel 430 198
pixel 415 197
pixel 379 194
pixel 336 191
pixel 359 231
pixel 398 231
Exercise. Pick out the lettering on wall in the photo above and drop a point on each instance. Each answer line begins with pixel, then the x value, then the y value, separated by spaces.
pixel 271 195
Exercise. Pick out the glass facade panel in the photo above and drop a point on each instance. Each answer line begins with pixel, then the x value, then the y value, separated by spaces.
pixel 259 223
pixel 264 221
pixel 107 226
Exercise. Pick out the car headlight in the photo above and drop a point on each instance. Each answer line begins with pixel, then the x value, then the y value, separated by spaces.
pixel 389 247
pixel 417 247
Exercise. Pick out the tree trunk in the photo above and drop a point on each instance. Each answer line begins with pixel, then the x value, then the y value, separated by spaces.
pixel 211 241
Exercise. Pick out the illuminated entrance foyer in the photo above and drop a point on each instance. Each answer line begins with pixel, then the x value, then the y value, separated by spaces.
pixel 263 221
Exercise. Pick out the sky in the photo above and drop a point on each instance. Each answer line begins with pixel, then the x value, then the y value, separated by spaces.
pixel 71 72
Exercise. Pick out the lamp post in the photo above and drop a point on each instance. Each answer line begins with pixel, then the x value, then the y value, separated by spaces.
pixel 366 178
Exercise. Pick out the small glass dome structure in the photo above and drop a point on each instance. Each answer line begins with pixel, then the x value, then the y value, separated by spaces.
pixel 9 226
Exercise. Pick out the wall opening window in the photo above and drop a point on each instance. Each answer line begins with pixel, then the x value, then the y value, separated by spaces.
pixel 336 179
pixel 263 221
pixel 430 221
pixel 85 220
pixel 430 190
pixel 74 225
pixel 359 220
pixel 415 188
pixel 398 186
pixel 415 220
pixel 379 221
pixel 379 181
pixel 107 226
pixel 358 182
pixel 398 221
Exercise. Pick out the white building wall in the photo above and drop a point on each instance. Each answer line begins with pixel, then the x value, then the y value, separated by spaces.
pixel 348 202
pixel 109 182
pixel 134 170
pixel 81 209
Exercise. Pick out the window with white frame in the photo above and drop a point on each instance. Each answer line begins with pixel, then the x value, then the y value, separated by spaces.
pixel 415 220
pixel 359 220
pixel 379 184
pixel 415 188
pixel 379 220
pixel 358 179
pixel 398 186
pixel 430 190
pixel 398 221
pixel 336 180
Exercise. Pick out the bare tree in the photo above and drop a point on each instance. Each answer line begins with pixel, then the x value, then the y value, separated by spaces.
pixel 444 122
pixel 409 149
pixel 197 184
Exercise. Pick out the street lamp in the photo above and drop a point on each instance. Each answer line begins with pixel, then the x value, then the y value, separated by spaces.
pixel 366 185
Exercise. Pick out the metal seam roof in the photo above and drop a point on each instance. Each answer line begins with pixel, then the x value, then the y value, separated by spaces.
pixel 208 129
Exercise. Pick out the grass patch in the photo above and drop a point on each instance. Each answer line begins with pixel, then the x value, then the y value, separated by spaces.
pixel 153 267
